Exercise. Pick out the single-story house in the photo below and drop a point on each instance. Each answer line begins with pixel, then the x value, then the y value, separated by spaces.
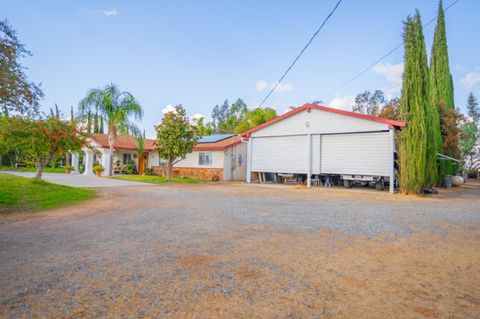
pixel 216 157
pixel 316 141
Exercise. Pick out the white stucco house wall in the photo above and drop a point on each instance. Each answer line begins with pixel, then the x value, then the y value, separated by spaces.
pixel 222 157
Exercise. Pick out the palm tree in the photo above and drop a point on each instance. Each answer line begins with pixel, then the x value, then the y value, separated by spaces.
pixel 116 107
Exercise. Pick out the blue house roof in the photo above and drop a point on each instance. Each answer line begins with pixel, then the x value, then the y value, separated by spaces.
pixel 214 138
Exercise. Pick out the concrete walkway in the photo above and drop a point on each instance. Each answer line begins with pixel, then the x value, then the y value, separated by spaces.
pixel 77 180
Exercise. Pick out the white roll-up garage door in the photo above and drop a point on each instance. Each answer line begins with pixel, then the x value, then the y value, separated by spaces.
pixel 280 154
pixel 358 154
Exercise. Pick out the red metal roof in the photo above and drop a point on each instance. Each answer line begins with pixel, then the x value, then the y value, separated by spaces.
pixel 129 143
pixel 326 109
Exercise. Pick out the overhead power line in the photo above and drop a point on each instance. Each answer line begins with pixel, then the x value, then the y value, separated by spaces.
pixel 301 52
pixel 383 57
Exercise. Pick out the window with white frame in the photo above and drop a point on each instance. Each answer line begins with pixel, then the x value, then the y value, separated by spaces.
pixel 205 159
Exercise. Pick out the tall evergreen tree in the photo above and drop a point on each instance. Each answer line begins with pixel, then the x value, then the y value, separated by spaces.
pixel 72 115
pixel 413 139
pixel 89 122
pixel 442 87
pixel 101 130
pixel 472 108
pixel 95 123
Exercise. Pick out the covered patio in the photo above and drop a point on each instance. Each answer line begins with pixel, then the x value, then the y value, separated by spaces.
pixel 116 161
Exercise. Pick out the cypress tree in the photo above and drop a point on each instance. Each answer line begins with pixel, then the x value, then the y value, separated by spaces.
pixel 89 122
pixel 441 83
pixel 101 125
pixel 72 116
pixel 413 139
pixel 95 123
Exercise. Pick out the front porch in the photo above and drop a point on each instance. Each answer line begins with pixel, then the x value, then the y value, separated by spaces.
pixel 121 161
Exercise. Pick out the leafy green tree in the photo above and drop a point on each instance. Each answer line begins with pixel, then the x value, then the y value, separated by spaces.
pixel 17 93
pixel 442 90
pixel 43 140
pixel 368 103
pixel 254 118
pixel 472 108
pixel 226 117
pixel 202 128
pixel 176 137
pixel 451 133
pixel 413 140
pixel 391 110
pixel 220 114
pixel 469 144
pixel 117 108
pixel 11 146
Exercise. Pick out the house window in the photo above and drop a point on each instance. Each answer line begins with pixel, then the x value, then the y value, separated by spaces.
pixel 162 162
pixel 127 158
pixel 205 159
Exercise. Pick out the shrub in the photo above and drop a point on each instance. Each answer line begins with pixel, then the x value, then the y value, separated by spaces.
pixel 68 168
pixel 130 169
pixel 98 168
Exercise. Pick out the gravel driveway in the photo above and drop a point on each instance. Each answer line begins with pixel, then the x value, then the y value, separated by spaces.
pixel 78 180
pixel 231 250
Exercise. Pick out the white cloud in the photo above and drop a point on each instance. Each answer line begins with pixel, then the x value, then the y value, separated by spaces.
pixel 168 108
pixel 471 79
pixel 261 85
pixel 342 102
pixel 392 74
pixel 109 13
pixel 283 87
pixel 198 116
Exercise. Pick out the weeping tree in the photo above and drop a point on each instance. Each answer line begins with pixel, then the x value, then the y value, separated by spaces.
pixel 442 93
pixel 116 107
pixel 413 139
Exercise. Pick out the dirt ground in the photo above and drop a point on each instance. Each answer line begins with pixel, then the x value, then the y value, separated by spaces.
pixel 237 251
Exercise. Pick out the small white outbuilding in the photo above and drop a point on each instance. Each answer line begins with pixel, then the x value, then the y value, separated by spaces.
pixel 317 140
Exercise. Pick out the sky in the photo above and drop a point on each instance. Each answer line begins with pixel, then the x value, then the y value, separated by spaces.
pixel 199 53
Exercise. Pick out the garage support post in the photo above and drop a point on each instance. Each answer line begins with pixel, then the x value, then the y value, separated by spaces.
pixel 392 160
pixel 309 164
pixel 249 160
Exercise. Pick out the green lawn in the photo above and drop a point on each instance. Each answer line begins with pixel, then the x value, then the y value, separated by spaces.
pixel 32 169
pixel 20 194
pixel 158 179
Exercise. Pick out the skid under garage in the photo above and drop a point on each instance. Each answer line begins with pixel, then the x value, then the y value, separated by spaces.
pixel 315 140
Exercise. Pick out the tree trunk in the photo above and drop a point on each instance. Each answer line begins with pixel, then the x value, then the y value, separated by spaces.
pixel 169 170
pixel 111 143
pixel 12 159
pixel 40 167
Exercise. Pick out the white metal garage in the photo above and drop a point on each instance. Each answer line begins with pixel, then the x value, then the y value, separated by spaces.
pixel 314 139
